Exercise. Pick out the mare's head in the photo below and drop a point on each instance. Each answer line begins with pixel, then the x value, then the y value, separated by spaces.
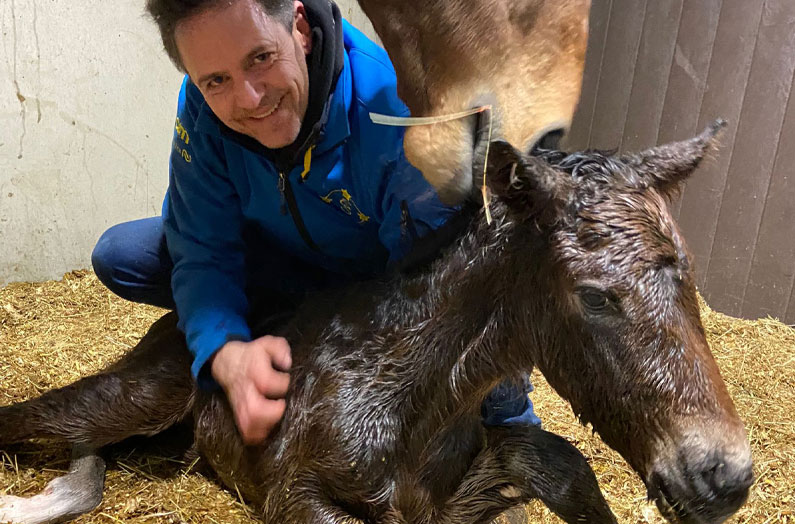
pixel 624 342
pixel 524 57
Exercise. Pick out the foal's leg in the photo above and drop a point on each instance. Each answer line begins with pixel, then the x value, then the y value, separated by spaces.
pixel 144 393
pixel 312 510
pixel 147 391
pixel 521 463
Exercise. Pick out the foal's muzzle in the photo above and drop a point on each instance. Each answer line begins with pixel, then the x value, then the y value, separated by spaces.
pixel 701 485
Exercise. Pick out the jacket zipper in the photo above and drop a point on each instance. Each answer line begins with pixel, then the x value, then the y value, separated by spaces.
pixel 288 202
pixel 281 184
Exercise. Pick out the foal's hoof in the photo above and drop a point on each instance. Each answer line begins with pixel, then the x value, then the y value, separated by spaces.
pixel 13 511
pixel 64 498
pixel 20 510
pixel 58 502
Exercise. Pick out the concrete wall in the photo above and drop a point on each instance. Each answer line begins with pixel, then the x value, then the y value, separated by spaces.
pixel 350 10
pixel 87 104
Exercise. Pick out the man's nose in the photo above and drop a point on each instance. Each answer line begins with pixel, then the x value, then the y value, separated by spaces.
pixel 247 95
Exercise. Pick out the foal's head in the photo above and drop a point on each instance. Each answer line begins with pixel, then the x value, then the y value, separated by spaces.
pixel 629 351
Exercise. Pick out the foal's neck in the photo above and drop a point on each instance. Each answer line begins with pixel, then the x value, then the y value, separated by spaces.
pixel 476 307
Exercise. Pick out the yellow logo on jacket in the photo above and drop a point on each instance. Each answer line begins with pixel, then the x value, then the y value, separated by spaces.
pixel 346 203
pixel 181 134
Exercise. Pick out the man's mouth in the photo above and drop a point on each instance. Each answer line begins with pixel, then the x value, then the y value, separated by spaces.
pixel 268 111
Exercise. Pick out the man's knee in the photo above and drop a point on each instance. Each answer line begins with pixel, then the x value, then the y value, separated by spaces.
pixel 509 404
pixel 106 257
pixel 132 261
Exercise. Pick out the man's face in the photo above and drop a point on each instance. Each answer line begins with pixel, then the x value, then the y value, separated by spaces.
pixel 250 69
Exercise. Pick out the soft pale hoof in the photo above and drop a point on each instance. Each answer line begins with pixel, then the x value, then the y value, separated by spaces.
pixel 20 510
pixel 64 498
pixel 11 509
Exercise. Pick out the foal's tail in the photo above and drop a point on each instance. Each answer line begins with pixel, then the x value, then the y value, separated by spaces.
pixel 147 391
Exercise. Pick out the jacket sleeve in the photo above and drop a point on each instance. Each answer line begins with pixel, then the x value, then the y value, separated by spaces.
pixel 202 222
pixel 411 211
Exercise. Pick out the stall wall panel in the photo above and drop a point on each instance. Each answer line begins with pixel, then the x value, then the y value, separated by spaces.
pixel 649 84
pixel 755 148
pixel 663 70
pixel 726 84
pixel 698 24
pixel 597 36
pixel 613 88
pixel 770 283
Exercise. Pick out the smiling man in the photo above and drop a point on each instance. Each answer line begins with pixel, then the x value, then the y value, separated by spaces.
pixel 251 70
pixel 279 184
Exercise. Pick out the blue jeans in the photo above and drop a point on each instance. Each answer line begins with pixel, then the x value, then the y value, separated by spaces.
pixel 509 404
pixel 132 260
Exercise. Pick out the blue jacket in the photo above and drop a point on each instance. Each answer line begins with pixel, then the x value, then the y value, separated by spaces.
pixel 352 199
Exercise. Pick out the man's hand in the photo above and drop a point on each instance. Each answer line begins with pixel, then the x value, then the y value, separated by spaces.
pixel 254 377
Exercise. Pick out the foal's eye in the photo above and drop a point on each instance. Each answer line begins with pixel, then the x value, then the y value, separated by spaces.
pixel 595 301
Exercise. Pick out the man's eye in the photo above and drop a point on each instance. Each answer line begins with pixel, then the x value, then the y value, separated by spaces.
pixel 216 81
pixel 262 57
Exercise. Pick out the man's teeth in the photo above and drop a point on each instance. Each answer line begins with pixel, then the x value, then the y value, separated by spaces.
pixel 269 112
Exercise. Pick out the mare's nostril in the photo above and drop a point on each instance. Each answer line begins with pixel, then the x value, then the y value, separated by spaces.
pixel 550 141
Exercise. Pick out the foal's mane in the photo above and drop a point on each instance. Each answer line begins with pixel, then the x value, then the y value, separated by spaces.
pixel 599 166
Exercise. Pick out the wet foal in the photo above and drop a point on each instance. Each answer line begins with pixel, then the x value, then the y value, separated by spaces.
pixel 582 273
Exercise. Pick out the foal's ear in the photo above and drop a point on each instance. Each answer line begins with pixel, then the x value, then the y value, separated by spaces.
pixel 501 168
pixel 665 167
pixel 519 178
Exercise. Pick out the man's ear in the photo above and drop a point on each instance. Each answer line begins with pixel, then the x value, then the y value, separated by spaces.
pixel 301 27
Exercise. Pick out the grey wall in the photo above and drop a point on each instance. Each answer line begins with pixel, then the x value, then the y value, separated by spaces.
pixel 87 104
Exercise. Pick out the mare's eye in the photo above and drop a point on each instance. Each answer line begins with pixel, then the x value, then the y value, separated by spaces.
pixel 596 301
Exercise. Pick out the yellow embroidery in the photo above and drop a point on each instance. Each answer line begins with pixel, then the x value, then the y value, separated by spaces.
pixel 182 152
pixel 347 204
pixel 307 163
pixel 182 133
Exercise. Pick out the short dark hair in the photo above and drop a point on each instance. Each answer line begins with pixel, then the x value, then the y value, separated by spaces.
pixel 167 14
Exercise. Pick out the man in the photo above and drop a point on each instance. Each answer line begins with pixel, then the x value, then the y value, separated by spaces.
pixel 279 184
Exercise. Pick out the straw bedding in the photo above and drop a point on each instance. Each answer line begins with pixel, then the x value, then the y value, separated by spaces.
pixel 52 333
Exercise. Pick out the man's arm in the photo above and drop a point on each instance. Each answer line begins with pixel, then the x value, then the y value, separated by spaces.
pixel 203 222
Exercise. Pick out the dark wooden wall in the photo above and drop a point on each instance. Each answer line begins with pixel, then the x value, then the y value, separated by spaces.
pixel 661 70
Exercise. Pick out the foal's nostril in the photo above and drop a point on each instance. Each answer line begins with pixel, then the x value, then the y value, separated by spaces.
pixel 717 486
pixel 729 481
pixel 706 483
